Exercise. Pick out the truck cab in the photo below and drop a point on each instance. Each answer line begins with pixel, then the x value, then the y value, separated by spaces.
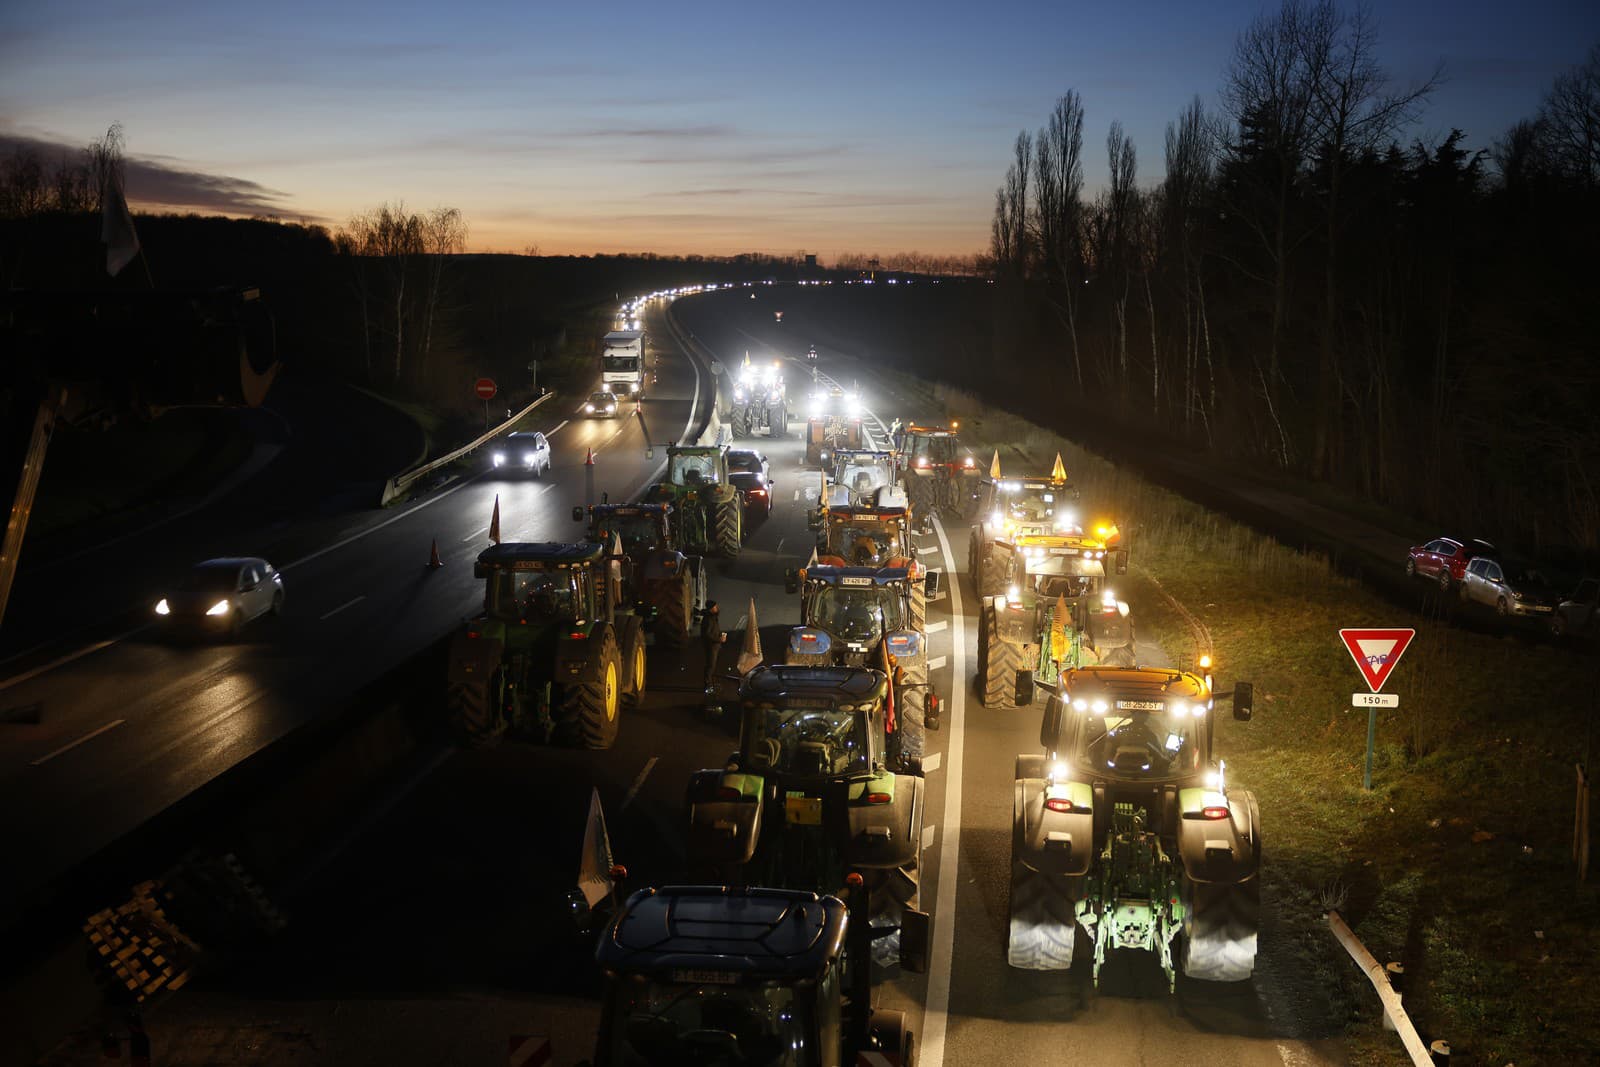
pixel 622 363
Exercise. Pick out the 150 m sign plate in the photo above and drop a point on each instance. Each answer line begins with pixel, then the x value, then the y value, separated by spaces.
pixel 1375 700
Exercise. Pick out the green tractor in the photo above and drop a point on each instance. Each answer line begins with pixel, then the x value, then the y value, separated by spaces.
pixel 1051 612
pixel 1126 828
pixel 666 588
pixel 707 511
pixel 810 794
pixel 550 658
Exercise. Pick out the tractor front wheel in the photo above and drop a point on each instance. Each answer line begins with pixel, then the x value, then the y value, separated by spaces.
pixel 726 527
pixel 1001 661
pixel 590 707
pixel 474 711
pixel 741 421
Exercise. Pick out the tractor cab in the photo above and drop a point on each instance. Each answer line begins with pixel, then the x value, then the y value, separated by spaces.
pixel 640 528
pixel 542 583
pixel 865 537
pixel 833 422
pixel 707 510
pixel 925 447
pixel 939 477
pixel 691 466
pixel 1030 505
pixel 861 475
pixel 848 612
pixel 812 724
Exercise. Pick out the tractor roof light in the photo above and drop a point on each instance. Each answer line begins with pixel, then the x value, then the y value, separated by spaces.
pixel 1058 772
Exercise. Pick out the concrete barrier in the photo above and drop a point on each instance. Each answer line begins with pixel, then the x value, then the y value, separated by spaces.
pixel 396 486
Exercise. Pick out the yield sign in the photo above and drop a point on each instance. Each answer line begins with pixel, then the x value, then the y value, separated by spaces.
pixel 1376 652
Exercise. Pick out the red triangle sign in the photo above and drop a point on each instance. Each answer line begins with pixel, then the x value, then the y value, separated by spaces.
pixel 1376 652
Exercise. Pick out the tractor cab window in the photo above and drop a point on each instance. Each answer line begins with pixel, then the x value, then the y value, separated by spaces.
pixel 809 742
pixel 925 450
pixel 533 595
pixel 1033 506
pixel 666 1022
pixel 1071 586
pixel 864 476
pixel 864 544
pixel 637 532
pixel 1137 745
pixel 857 613
pixel 693 470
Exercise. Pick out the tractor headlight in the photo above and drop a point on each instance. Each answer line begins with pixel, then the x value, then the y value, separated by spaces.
pixel 163 608
pixel 221 607
pixel 1098 707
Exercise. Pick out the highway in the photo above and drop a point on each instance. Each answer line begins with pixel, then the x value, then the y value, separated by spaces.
pixel 444 920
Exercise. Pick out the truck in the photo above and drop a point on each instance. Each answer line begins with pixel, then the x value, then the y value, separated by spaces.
pixel 549 658
pixel 707 510
pixel 1126 827
pixel 663 586
pixel 759 403
pixel 732 975
pixel 811 792
pixel 622 363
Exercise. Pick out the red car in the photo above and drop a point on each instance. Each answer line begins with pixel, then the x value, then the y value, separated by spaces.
pixel 1444 560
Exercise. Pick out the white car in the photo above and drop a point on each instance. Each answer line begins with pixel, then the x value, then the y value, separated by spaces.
pixel 221 595
pixel 525 451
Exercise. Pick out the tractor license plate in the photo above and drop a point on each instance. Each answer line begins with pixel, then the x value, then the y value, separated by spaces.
pixel 1063 552
pixel 803 811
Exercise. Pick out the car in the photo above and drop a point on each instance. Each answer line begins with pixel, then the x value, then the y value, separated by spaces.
pixel 525 450
pixel 1445 559
pixel 600 405
pixel 1509 587
pixel 751 474
pixel 221 595
pixel 1578 612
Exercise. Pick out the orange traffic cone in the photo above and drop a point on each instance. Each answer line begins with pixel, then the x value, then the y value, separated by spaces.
pixel 434 562
pixel 494 522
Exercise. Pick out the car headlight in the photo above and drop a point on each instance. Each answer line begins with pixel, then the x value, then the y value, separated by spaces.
pixel 221 607
pixel 527 458
pixel 163 608
pixel 499 459
pixel 588 408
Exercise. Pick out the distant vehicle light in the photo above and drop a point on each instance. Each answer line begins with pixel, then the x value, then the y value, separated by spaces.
pixel 588 407
pixel 221 607
pixel 499 459
pixel 163 608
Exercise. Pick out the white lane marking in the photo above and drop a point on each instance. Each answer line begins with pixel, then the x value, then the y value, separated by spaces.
pixel 934 551
pixel 797 494
pixel 358 535
pixel 937 1005
pixel 477 535
pixel 18 679
pixel 936 663
pixel 738 627
pixel 930 762
pixel 633 790
pixel 341 607
pixel 929 832
pixel 936 627
pixel 90 736
pixel 552 433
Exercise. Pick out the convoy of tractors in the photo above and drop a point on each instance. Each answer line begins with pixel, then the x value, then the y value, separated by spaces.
pixel 804 847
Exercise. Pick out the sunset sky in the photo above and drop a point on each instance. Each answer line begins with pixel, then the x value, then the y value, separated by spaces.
pixel 712 128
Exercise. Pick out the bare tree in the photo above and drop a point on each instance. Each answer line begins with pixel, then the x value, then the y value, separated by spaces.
pixel 444 234
pixel 1121 206
pixel 1058 217
pixel 1569 121
pixel 1009 239
pixel 1190 150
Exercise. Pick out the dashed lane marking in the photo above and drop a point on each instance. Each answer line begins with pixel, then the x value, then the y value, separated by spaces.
pixel 46 668
pixel 638 783
pixel 937 627
pixel 341 607
pixel 69 746
pixel 929 832
pixel 552 433
pixel 930 762
pixel 797 494
pixel 936 663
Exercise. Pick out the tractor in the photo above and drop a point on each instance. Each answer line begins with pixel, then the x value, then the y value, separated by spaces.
pixel 1054 613
pixel 833 421
pixel 666 588
pixel 707 511
pixel 726 975
pixel 938 477
pixel 550 658
pixel 1126 827
pixel 811 792
pixel 760 401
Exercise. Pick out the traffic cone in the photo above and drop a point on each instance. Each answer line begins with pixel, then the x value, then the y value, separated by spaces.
pixel 750 655
pixel 434 562
pixel 494 522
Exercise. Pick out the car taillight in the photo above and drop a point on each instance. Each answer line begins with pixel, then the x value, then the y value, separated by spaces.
pixel 878 798
pixel 1214 811
pixel 579 635
pixel 474 634
pixel 1061 804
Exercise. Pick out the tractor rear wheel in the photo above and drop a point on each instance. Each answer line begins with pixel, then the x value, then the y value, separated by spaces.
pixel 726 527
pixel 1001 661
pixel 632 665
pixel 992 575
pixel 674 610
pixel 1042 921
pixel 473 710
pixel 591 706
pixel 779 424
pixel 741 421
pixel 1220 930
pixel 919 608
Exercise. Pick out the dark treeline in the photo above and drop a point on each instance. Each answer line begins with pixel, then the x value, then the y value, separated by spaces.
pixel 1305 288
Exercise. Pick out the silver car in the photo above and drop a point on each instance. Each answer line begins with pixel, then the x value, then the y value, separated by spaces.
pixel 524 451
pixel 1510 588
pixel 221 595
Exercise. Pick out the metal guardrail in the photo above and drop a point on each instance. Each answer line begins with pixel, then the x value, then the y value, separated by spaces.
pixel 716 431
pixel 396 486
pixel 1422 1055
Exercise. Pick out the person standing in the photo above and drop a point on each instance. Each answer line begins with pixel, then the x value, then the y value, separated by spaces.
pixel 711 639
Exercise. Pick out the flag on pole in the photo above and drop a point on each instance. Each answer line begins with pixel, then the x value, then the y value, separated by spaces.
pixel 594 869
pixel 116 227
pixel 994 466
pixel 750 656
pixel 494 522
pixel 1059 471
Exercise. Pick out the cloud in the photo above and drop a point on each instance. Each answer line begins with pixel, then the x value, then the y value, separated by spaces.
pixel 158 183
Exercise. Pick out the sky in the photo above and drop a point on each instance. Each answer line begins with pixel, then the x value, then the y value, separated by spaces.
pixel 709 128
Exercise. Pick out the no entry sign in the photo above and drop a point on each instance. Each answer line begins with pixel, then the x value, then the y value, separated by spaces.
pixel 1376 652
pixel 485 388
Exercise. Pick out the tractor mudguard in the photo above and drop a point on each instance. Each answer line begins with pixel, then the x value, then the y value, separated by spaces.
pixel 664 565
pixel 579 657
pixel 474 659
pixel 1053 842
pixel 877 835
pixel 1020 628
pixel 1108 631
pixel 724 816
pixel 1222 850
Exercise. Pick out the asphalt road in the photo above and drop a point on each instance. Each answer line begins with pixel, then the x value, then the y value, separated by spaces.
pixel 438 934
pixel 131 723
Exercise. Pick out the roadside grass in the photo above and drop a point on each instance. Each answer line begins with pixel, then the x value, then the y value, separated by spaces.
pixel 1457 862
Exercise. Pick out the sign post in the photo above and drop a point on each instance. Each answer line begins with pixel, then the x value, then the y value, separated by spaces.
pixel 1376 653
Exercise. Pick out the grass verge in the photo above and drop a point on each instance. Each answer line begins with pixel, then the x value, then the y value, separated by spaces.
pixel 1457 862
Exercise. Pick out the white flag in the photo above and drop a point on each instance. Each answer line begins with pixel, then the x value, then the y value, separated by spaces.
pixel 594 869
pixel 116 227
